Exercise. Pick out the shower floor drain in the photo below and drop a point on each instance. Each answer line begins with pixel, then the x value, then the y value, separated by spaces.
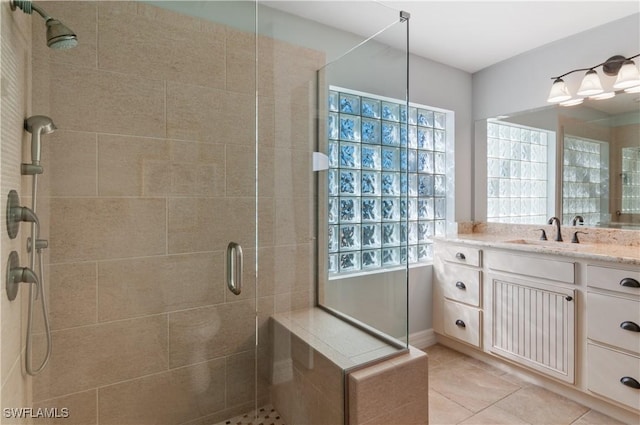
pixel 266 415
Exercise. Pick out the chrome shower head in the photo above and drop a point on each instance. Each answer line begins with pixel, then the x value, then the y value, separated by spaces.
pixel 37 125
pixel 59 36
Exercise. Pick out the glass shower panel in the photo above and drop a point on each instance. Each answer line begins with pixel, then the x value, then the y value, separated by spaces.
pixel 149 176
pixel 368 206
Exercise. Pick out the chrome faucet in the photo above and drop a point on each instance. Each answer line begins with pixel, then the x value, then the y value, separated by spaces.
pixel 558 231
pixel 577 219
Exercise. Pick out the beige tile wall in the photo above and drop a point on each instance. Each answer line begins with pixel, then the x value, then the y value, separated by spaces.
pixel 15 105
pixel 150 175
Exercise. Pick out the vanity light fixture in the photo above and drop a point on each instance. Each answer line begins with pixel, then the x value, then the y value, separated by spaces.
pixel 619 66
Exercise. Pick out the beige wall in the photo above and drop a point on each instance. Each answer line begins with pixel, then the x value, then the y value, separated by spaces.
pixel 150 175
pixel 14 107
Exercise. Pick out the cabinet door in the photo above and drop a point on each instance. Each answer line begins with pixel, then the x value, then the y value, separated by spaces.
pixel 533 324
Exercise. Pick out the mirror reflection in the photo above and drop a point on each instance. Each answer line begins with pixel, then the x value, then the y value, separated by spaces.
pixel 578 163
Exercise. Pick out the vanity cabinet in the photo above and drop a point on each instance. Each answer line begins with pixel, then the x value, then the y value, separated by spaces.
pixel 613 333
pixel 566 315
pixel 458 314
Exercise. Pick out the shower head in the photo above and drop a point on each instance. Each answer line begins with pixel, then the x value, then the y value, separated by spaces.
pixel 59 36
pixel 37 125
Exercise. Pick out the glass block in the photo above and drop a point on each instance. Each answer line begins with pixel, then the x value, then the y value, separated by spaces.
pixel 425 185
pixel 413 233
pixel 505 149
pixel 404 159
pixel 332 153
pixel 440 208
pixel 333 126
pixel 370 157
pixel 333 263
pixel 514 133
pixel 425 118
pixel 332 182
pixel 349 104
pixel 370 108
pixel 391 234
pixel 440 163
pixel 390 256
pixel 412 207
pixel 390 209
pixel 349 128
pixel 390 111
pixel 423 231
pixel 425 138
pixel 390 159
pixel 349 237
pixel 349 262
pixel 439 140
pixel 441 228
pixel 349 210
pixel 525 151
pixel 412 161
pixel 426 209
pixel 425 252
pixel 391 184
pixel 493 187
pixel 404 184
pixel 413 115
pixel 525 135
pixel 390 134
pixel 425 162
pixel 503 132
pixel 370 131
pixel 412 252
pixel 515 169
pixel 403 255
pixel 439 120
pixel 333 210
pixel 413 184
pixel 413 137
pixel 332 243
pixel 403 114
pixel 535 137
pixel 370 183
pixel 515 150
pixel 371 209
pixel 371 259
pixel 404 136
pixel 493 148
pixel 371 236
pixel 333 100
pixel 349 155
pixel 349 182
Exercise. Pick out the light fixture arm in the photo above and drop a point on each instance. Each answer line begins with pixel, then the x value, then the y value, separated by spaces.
pixel 610 66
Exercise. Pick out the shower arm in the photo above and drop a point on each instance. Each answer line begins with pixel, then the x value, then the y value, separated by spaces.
pixel 28 7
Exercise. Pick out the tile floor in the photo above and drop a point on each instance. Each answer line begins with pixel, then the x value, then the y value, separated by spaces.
pixel 266 415
pixel 463 390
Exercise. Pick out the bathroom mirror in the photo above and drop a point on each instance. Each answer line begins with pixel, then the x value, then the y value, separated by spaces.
pixel 581 160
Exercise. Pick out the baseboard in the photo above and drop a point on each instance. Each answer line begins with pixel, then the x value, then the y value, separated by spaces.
pixel 423 339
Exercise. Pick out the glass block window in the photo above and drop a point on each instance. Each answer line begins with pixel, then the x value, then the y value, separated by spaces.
pixel 386 181
pixel 583 179
pixel 630 180
pixel 517 186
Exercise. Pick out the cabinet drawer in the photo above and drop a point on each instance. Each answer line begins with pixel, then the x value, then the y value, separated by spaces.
pixel 531 265
pixel 606 314
pixel 613 279
pixel 460 254
pixel 462 284
pixel 462 322
pixel 605 371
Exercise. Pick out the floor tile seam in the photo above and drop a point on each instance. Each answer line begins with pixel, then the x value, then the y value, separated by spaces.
pixel 582 416
pixel 456 403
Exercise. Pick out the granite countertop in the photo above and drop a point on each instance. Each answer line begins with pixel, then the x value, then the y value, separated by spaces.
pixel 621 254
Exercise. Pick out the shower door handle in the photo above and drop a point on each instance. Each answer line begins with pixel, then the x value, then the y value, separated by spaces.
pixel 234 268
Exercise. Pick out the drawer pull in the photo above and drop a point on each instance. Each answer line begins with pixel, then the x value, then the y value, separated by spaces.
pixel 630 282
pixel 568 298
pixel 630 326
pixel 460 256
pixel 460 324
pixel 630 382
pixel 461 285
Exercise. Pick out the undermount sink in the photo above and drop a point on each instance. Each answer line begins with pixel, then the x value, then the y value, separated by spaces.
pixel 548 244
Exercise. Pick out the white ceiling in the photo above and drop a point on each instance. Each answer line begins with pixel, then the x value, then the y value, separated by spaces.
pixel 469 35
